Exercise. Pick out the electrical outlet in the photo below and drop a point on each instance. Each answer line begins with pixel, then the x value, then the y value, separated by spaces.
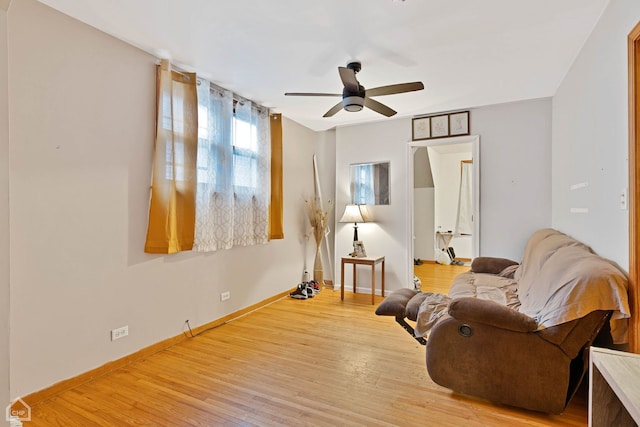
pixel 225 296
pixel 118 333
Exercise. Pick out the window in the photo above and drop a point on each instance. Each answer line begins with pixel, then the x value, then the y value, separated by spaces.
pixel 363 187
pixel 211 184
pixel 245 154
pixel 244 138
pixel 173 120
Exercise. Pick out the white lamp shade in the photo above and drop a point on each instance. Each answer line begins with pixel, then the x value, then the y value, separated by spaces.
pixel 356 214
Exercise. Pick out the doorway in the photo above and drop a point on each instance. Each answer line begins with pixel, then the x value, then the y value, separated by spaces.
pixel 435 168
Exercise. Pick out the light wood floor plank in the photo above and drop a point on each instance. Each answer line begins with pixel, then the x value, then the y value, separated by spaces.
pixel 315 362
pixel 437 277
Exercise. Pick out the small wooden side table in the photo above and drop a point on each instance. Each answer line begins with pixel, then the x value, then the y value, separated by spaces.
pixel 370 260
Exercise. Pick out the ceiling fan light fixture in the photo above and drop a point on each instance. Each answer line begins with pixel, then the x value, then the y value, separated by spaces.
pixel 355 97
pixel 353 103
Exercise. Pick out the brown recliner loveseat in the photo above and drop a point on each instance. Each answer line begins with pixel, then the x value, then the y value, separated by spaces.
pixel 518 334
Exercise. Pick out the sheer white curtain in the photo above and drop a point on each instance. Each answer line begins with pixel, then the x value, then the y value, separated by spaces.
pixel 214 195
pixel 232 198
pixel 252 178
pixel 464 223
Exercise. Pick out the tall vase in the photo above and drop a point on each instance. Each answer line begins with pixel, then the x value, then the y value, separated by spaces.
pixel 317 267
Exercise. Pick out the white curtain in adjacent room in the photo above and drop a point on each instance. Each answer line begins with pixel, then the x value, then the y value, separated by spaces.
pixel 464 222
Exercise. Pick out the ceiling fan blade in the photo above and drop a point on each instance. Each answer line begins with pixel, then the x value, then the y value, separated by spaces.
pixel 348 77
pixel 378 107
pixel 333 110
pixel 311 94
pixel 392 89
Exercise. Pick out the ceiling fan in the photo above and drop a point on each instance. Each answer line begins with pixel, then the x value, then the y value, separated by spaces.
pixel 354 95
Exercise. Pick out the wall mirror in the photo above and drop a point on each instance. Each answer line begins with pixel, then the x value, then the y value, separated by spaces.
pixel 370 183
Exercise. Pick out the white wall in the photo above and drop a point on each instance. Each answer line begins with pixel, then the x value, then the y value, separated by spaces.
pixel 4 219
pixel 376 142
pixel 446 176
pixel 82 125
pixel 424 223
pixel 423 206
pixel 515 183
pixel 326 157
pixel 300 145
pixel 515 174
pixel 590 137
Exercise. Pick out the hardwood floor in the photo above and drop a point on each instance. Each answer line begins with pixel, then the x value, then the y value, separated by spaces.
pixel 315 362
pixel 437 277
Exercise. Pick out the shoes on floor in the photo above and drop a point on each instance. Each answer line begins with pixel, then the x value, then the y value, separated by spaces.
pixel 314 285
pixel 309 289
pixel 305 290
pixel 299 293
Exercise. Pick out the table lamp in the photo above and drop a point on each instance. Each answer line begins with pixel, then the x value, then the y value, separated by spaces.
pixel 355 214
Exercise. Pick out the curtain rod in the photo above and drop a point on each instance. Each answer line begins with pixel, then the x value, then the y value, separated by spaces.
pixel 235 96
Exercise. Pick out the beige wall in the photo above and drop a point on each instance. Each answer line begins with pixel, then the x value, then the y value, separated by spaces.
pixel 4 219
pixel 82 122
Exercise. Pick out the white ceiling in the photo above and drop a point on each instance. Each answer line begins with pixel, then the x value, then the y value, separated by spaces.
pixel 468 53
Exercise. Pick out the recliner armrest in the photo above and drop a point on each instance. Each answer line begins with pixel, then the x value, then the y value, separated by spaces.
pixel 490 264
pixel 491 313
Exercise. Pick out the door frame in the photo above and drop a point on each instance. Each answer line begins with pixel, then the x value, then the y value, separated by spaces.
pixel 475 150
pixel 634 187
